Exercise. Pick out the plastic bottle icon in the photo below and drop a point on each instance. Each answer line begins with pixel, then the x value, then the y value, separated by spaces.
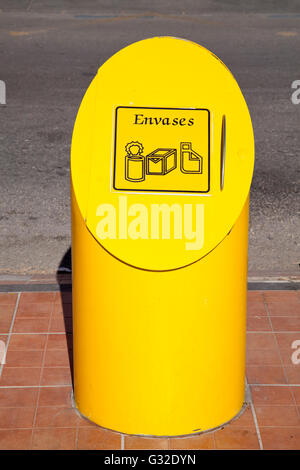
pixel 134 162
pixel 190 161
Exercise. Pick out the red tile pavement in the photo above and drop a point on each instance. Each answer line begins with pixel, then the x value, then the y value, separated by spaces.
pixel 54 439
pixel 277 415
pixel 263 357
pixel 258 323
pixel 55 396
pixel 56 376
pixel 279 438
pixel 268 395
pixel 8 299
pixel 27 342
pixel 6 316
pixel 204 441
pixel 286 309
pixel 135 443
pixel 56 416
pixel 296 394
pixel 266 374
pixel 256 308
pixel 95 438
pixel 236 438
pixel 20 377
pixel 285 323
pixel 36 408
pixel 15 439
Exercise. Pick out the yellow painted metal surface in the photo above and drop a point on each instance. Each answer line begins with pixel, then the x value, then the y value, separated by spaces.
pixel 105 126
pixel 159 353
pixel 159 312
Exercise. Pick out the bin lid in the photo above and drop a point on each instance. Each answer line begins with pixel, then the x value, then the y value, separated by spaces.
pixel 162 153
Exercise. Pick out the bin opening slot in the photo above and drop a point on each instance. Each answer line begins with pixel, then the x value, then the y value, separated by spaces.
pixel 223 151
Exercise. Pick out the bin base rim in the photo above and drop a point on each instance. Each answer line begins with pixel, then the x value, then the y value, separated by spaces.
pixel 197 433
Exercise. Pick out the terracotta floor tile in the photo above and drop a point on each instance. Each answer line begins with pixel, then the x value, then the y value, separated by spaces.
pixel 59 325
pixel 261 341
pixel 290 355
pixel 8 298
pixel 265 375
pixel 236 438
pixel 23 342
pixel 287 438
pixel 31 325
pixel 40 310
pixel 36 297
pixel 5 324
pixel 203 441
pixel 6 316
pixel 296 394
pixel 255 295
pixel 280 296
pixel 63 309
pixel 54 439
pixel 56 419
pixel 92 438
pixel 285 340
pixel 272 395
pixel 260 357
pixel 20 376
pixel 59 341
pixel 293 374
pixel 285 415
pixel 56 376
pixel 56 396
pixel 135 443
pixel 18 397
pixel 86 423
pixel 13 418
pixel 256 323
pixel 57 358
pixel 286 308
pixel 256 308
pixel 286 323
pixel 7 309
pixel 24 358
pixel 48 416
pixel 245 420
pixel 17 439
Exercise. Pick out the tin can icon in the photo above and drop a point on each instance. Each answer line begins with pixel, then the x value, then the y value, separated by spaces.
pixel 134 162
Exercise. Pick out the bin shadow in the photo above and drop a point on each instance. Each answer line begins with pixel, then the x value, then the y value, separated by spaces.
pixel 64 281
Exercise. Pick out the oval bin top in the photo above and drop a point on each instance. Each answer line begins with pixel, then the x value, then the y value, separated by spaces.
pixel 162 153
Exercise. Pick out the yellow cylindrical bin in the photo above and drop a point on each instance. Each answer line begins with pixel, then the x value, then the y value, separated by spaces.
pixel 161 166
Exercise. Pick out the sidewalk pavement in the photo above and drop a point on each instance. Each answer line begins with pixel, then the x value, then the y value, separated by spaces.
pixel 36 408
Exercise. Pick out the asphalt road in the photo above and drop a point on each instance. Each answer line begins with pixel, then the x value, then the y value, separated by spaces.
pixel 49 53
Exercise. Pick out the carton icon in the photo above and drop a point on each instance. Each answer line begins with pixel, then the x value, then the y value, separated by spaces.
pixel 161 161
